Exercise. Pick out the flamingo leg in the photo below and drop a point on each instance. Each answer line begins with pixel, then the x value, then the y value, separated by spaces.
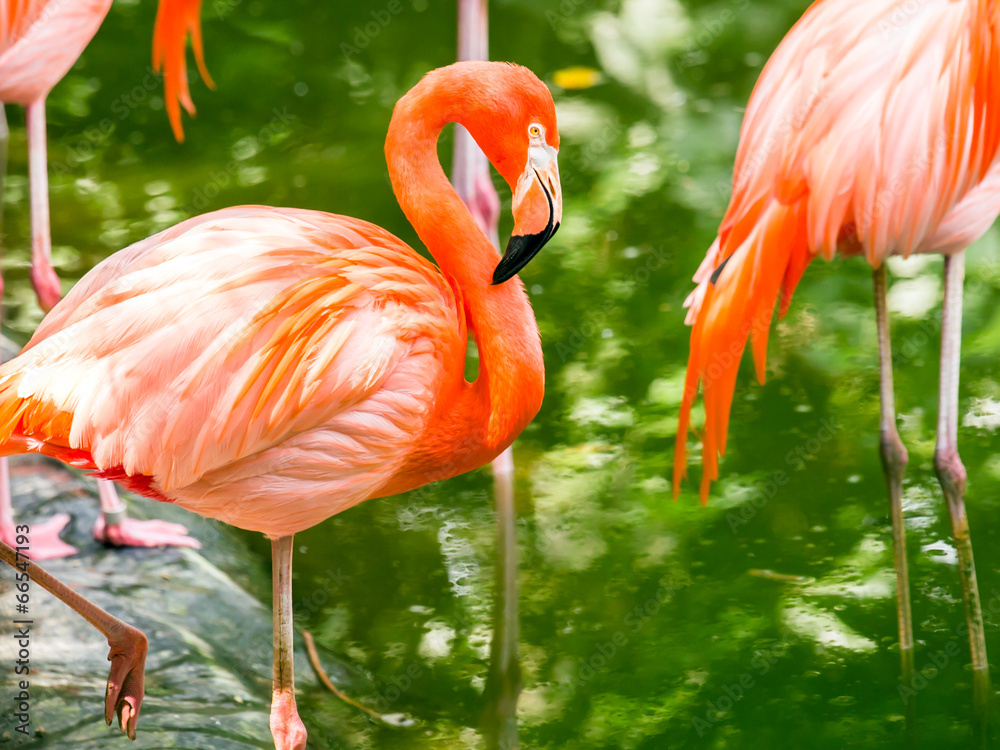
pixel 503 681
pixel 894 459
pixel 43 276
pixel 471 178
pixel 950 470
pixel 45 541
pixel 115 528
pixel 125 691
pixel 470 172
pixel 286 727
pixel 4 145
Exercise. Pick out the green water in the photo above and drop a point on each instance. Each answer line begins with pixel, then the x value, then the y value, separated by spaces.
pixel 765 620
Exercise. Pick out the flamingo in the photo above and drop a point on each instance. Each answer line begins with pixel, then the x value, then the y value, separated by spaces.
pixel 272 367
pixel 40 40
pixel 872 131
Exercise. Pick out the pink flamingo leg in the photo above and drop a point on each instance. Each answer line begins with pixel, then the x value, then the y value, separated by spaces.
pixel 950 470
pixel 286 727
pixel 43 276
pixel 128 645
pixel 894 460
pixel 4 143
pixel 45 541
pixel 470 172
pixel 114 527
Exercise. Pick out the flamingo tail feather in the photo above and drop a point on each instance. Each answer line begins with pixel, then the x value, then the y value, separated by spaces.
pixel 176 20
pixel 737 293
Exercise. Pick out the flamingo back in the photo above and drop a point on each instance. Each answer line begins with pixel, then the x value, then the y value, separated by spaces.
pixel 265 367
pixel 870 131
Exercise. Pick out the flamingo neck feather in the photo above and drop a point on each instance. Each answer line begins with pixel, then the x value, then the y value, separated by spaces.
pixel 508 390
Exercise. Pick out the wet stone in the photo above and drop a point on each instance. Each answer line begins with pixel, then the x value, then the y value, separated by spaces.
pixel 208 671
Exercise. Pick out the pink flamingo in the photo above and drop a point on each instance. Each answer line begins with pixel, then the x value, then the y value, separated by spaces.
pixel 872 131
pixel 40 40
pixel 277 366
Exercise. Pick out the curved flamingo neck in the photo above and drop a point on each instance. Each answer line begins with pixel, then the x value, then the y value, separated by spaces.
pixel 507 393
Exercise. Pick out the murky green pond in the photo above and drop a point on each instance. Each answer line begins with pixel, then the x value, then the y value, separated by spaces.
pixel 766 619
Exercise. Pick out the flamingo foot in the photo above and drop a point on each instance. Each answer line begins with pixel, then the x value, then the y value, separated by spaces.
pixel 45 541
pixel 130 532
pixel 286 727
pixel 47 285
pixel 126 680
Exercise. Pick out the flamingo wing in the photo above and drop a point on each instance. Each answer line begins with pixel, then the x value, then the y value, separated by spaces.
pixel 868 131
pixel 242 356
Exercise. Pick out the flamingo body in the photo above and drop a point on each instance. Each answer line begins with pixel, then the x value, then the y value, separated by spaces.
pixel 870 131
pixel 267 367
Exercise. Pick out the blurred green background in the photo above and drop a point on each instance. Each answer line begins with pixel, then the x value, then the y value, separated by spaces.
pixel 767 618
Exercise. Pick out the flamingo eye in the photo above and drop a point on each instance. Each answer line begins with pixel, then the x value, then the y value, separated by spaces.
pixel 535 131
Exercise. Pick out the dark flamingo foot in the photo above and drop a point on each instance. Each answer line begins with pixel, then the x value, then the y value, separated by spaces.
pixel 131 532
pixel 126 682
pixel 45 543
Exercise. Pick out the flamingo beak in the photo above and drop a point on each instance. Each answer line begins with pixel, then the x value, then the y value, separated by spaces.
pixel 537 210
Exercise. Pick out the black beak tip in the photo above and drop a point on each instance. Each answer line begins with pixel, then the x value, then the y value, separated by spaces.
pixel 498 278
pixel 520 250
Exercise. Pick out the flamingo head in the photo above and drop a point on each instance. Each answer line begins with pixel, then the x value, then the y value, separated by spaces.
pixel 537 204
pixel 516 128
pixel 511 115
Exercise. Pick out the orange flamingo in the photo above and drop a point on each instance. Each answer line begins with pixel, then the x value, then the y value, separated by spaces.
pixel 872 131
pixel 276 366
pixel 40 40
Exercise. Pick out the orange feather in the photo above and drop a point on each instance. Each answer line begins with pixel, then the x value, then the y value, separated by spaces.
pixel 176 20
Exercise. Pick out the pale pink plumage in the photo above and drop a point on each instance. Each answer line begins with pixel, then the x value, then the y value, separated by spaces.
pixel 40 40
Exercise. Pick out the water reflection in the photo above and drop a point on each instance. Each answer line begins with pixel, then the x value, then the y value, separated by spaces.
pixel 981 708
pixel 503 681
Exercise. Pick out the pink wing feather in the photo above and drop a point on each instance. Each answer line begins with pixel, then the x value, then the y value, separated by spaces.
pixel 176 20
